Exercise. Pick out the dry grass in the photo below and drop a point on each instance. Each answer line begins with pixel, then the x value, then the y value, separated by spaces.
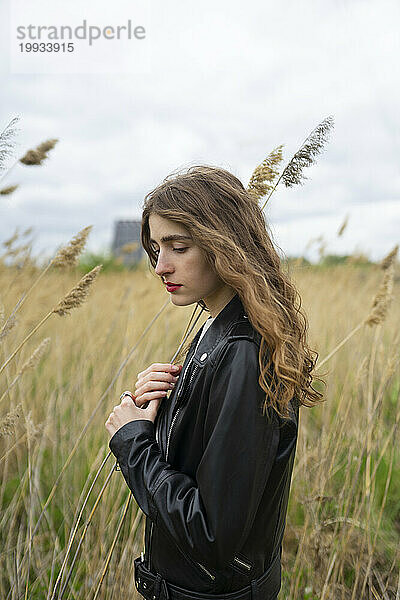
pixel 343 524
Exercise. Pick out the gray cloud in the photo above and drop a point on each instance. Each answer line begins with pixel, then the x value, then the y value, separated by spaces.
pixel 227 84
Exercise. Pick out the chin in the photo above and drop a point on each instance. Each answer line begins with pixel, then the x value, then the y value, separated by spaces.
pixel 182 301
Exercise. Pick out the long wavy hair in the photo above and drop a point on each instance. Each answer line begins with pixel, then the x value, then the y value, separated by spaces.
pixel 225 220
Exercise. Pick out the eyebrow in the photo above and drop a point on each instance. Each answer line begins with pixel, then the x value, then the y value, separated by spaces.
pixel 172 237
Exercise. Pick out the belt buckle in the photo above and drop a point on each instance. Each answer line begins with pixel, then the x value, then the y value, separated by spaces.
pixel 151 586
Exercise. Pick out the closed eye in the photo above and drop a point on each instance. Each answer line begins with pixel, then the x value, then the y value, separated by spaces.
pixel 174 249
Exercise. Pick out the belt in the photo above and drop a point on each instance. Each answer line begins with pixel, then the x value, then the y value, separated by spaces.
pixel 152 586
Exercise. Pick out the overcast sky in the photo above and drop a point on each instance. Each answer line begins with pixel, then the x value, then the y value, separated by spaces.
pixel 227 83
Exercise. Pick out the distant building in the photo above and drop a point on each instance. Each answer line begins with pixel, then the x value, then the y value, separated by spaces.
pixel 126 241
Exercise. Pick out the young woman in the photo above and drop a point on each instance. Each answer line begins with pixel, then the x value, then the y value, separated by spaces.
pixel 210 465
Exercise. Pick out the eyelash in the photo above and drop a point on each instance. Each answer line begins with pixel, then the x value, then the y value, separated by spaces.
pixel 174 249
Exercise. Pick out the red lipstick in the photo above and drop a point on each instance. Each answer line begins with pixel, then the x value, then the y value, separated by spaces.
pixel 172 287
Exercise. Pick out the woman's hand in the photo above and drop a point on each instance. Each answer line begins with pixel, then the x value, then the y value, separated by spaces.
pixel 127 411
pixel 150 387
pixel 155 381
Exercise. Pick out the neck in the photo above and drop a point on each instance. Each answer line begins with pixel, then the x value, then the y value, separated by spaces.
pixel 219 299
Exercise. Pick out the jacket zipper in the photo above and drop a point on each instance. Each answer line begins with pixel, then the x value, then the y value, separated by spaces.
pixel 147 552
pixel 193 374
pixel 169 433
pixel 169 438
pixel 178 396
pixel 206 570
pixel 241 562
pixel 166 455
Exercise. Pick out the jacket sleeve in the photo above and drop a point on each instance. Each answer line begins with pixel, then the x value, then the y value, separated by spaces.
pixel 208 517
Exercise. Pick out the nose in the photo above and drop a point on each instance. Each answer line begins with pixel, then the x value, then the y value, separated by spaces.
pixel 162 267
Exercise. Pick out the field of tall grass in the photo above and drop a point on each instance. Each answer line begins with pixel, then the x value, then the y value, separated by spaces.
pixel 66 533
pixel 72 339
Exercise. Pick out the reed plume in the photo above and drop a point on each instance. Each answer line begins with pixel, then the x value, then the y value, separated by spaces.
pixel 7 326
pixel 32 361
pixel 343 226
pixel 65 256
pixel 38 154
pixel 6 141
pixel 264 174
pixel 377 314
pixel 68 256
pixel 32 429
pixel 304 157
pixel 35 357
pixel 78 294
pixel 382 299
pixel 7 423
pixel 73 299
pixel 46 146
pixel 18 250
pixel 390 258
pixel 10 241
pixel 8 190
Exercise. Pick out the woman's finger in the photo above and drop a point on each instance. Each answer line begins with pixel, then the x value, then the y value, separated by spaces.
pixel 153 378
pixel 128 400
pixel 153 407
pixel 157 376
pixel 167 370
pixel 149 396
pixel 152 386
pixel 157 368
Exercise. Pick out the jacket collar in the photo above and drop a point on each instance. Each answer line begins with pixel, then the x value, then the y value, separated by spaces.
pixel 232 312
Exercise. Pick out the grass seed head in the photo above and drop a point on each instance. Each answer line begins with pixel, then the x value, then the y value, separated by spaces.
pixel 343 226
pixel 68 256
pixel 7 423
pixel 262 178
pixel 382 299
pixel 7 326
pixel 389 258
pixel 78 294
pixel 7 142
pixel 307 153
pixel 35 357
pixel 8 190
pixel 10 241
pixel 39 154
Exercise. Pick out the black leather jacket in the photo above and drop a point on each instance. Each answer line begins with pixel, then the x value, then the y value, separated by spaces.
pixel 212 474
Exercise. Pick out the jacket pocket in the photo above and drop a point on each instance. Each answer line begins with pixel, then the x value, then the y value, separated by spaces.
pixel 204 570
pixel 178 568
pixel 241 564
pixel 242 572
